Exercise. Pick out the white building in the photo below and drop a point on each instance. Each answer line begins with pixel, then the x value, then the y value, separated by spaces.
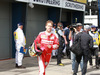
pixel 91 16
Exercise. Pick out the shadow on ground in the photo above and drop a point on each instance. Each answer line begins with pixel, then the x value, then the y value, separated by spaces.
pixel 10 64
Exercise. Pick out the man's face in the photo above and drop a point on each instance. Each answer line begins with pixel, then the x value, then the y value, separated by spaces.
pixel 93 29
pixel 49 27
pixel 79 28
pixel 21 27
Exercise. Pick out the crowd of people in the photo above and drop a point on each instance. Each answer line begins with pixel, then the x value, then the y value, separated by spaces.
pixel 90 41
pixel 56 41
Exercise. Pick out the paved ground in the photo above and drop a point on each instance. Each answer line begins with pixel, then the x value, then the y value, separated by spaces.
pixel 7 67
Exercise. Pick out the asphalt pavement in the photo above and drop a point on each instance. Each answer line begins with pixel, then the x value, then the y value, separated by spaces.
pixel 7 67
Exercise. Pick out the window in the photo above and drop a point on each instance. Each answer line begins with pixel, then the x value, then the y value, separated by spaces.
pixel 94 5
pixel 87 12
pixel 94 12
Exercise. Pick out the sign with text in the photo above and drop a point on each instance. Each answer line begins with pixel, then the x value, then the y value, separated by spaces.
pixel 73 5
pixel 58 3
pixel 54 3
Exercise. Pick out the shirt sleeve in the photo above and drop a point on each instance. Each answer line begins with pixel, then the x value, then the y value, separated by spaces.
pixel 65 33
pixel 60 33
pixel 91 42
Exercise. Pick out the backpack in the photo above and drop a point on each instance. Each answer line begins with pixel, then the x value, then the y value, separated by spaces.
pixel 76 47
pixel 61 39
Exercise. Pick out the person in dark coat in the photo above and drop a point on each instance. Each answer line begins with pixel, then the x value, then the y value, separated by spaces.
pixel 86 45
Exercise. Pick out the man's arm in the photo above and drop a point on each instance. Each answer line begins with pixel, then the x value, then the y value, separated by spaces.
pixel 91 42
pixel 65 39
pixel 70 35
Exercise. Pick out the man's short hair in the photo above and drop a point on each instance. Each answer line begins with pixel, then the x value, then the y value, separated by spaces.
pixel 49 21
pixel 86 27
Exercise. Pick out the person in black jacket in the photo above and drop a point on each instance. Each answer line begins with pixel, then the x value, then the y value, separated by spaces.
pixel 86 45
pixel 62 39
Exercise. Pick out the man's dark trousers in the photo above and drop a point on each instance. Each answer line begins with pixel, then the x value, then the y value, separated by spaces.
pixel 85 60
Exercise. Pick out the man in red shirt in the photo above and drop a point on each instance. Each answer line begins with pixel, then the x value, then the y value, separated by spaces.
pixel 46 41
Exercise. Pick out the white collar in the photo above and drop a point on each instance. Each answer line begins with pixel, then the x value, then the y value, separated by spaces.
pixel 48 33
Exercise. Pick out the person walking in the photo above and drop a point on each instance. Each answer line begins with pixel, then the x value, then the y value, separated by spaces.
pixel 20 42
pixel 46 41
pixel 86 45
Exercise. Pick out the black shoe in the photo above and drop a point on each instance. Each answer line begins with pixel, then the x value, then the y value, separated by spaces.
pixel 91 64
pixel 16 65
pixel 53 57
pixel 74 74
pixel 97 67
pixel 21 67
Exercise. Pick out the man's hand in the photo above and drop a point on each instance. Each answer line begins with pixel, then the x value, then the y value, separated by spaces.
pixel 23 47
pixel 66 42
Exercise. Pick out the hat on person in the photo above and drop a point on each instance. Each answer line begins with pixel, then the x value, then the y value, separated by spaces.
pixel 78 24
pixel 93 26
pixel 20 24
pixel 87 27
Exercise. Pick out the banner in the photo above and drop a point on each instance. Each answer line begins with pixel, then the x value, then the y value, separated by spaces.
pixel 58 3
pixel 54 3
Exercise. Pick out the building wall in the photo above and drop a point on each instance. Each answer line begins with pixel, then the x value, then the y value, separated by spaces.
pixel 34 22
pixel 5 30
pixel 18 15
pixel 92 19
pixel 36 19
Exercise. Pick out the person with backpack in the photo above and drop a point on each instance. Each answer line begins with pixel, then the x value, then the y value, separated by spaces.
pixel 62 39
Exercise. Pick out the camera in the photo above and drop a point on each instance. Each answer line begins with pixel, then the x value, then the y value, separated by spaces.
pixel 72 26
